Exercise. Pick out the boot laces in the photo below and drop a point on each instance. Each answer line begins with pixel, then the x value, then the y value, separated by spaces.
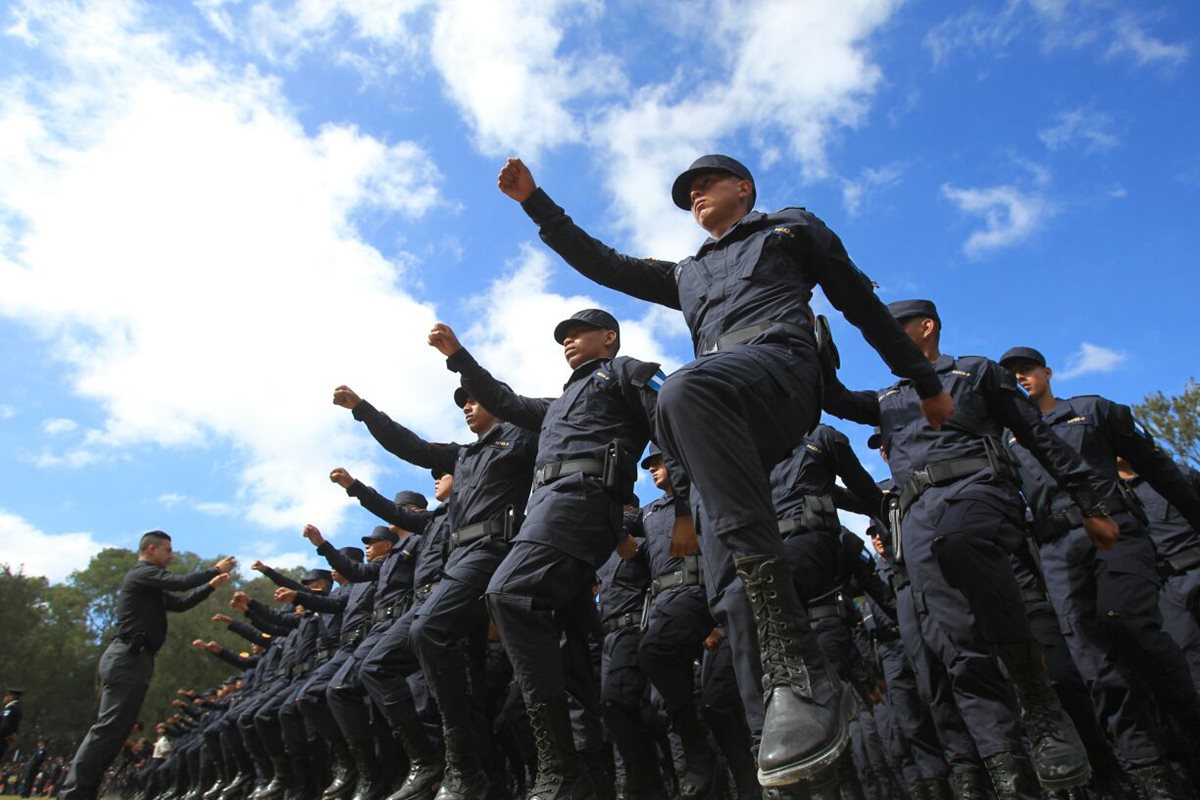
pixel 782 664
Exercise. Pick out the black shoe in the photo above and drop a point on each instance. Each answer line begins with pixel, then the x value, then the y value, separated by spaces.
pixel 807 708
pixel 1013 777
pixel 367 787
pixel 560 773
pixel 1154 783
pixel 970 785
pixel 1058 754
pixel 464 778
pixel 344 773
pixel 425 766
pixel 280 781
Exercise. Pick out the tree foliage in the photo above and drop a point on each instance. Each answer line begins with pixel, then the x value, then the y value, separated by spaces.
pixel 55 633
pixel 1175 421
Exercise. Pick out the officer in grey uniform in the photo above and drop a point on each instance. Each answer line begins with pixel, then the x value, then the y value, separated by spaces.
pixel 961 516
pixel 147 593
pixel 1109 600
pixel 752 391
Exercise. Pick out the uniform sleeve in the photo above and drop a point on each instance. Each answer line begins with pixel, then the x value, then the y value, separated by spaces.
pixel 640 382
pixel 387 510
pixel 279 579
pixel 1017 412
pixel 159 578
pixel 350 570
pixel 836 399
pixel 403 443
pixel 851 292
pixel 644 278
pixel 234 659
pixel 502 402
pixel 271 620
pixel 251 634
pixel 1136 446
pixel 182 602
pixel 328 603
pixel 853 474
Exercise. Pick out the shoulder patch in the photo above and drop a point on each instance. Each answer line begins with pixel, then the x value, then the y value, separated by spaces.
pixel 647 374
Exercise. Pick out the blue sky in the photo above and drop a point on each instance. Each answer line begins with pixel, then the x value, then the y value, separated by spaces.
pixel 212 213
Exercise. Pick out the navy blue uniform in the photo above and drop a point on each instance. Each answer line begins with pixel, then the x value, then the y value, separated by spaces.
pixel 958 530
pixel 1177 546
pixel 1107 601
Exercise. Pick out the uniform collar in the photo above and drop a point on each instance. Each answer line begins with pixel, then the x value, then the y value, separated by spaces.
pixel 492 433
pixel 584 369
pixel 734 231
pixel 1062 409
pixel 944 363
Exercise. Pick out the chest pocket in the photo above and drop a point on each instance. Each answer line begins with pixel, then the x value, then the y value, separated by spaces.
pixel 1077 430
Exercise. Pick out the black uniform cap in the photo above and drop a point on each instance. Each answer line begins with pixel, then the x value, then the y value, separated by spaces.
pixel 316 575
pixel 409 497
pixel 595 317
pixel 462 393
pixel 907 309
pixel 681 190
pixel 1022 354
pixel 653 453
pixel 381 533
pixel 355 554
pixel 875 439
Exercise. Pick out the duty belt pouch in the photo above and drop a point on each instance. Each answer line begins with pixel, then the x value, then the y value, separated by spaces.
pixel 509 523
pixel 819 513
pixel 619 475
pixel 137 643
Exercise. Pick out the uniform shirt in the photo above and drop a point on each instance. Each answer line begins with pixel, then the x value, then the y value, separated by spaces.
pixel 657 520
pixel 762 270
pixel 354 604
pixel 623 584
pixel 10 719
pixel 1170 532
pixel 812 468
pixel 986 400
pixel 162 747
pixel 1099 430
pixel 490 474
pixel 147 594
pixel 306 629
pixel 392 574
pixel 861 573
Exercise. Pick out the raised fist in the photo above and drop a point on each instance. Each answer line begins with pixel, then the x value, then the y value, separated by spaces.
pixel 345 397
pixel 442 337
pixel 515 180
pixel 341 477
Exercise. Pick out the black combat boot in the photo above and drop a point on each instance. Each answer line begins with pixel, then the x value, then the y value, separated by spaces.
pixel 344 773
pixel 214 790
pixel 699 759
pixel 301 786
pixel 969 785
pixel 281 779
pixel 367 787
pixel 560 773
pixel 424 763
pixel 265 773
pixel 1154 783
pixel 1013 777
pixel 807 708
pixel 1059 756
pixel 238 784
pixel 464 778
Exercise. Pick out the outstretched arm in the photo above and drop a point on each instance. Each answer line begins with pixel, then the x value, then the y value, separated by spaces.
pixel 644 278
pixel 395 438
pixel 503 402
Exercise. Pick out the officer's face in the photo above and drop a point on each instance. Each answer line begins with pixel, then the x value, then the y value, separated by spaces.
pixel 479 419
pixel 583 343
pixel 659 474
pixel 378 548
pixel 160 554
pixel 442 486
pixel 1032 376
pixel 719 199
pixel 877 542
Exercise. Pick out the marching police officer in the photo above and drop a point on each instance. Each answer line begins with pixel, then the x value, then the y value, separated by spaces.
pixel 960 518
pixel 10 719
pixel 752 392
pixel 147 592
pixel 1109 599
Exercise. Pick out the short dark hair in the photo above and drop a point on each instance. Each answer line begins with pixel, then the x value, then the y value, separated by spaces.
pixel 152 537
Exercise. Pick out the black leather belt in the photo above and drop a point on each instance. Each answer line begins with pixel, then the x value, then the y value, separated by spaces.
pixel 1051 527
pixel 323 655
pixel 629 619
pixel 354 635
pixel 1179 563
pixel 688 576
pixel 1034 594
pixel 425 589
pixel 941 473
pixel 887 635
pixel 743 335
pixel 560 469
pixel 824 612
pixel 496 529
pixel 396 609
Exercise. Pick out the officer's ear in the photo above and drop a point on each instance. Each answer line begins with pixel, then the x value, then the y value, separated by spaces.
pixel 610 340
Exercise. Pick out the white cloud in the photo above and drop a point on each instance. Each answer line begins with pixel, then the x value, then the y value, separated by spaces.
pixel 285 31
pixel 7 412
pixel 1010 215
pixel 858 190
pixel 59 426
pixel 1091 358
pixel 1080 128
pixel 35 552
pixel 1130 39
pixel 218 282
pixel 787 101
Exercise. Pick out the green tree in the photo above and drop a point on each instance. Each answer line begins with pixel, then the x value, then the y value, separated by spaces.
pixel 1174 421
